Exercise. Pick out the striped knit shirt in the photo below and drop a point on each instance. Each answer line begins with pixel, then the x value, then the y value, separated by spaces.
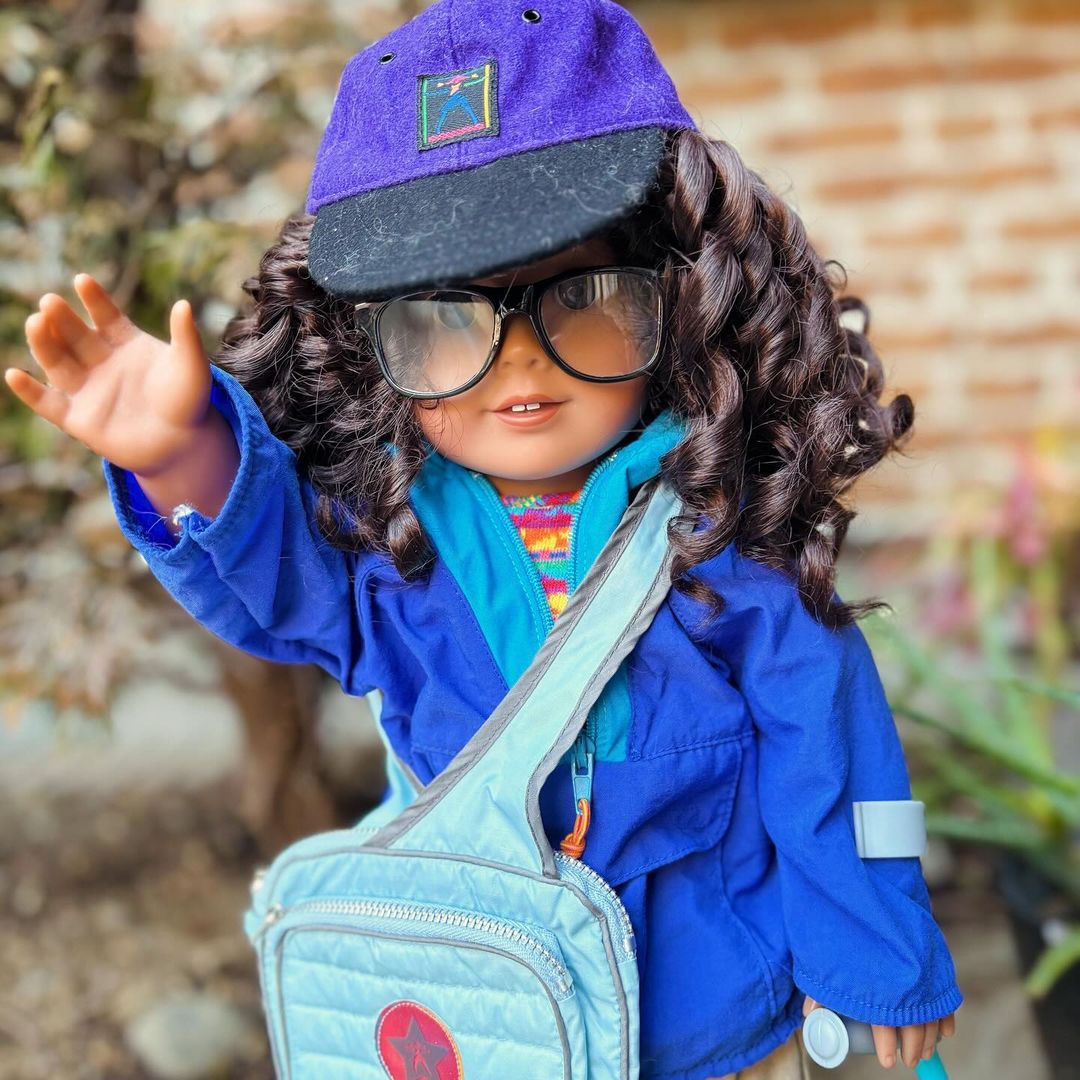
pixel 544 522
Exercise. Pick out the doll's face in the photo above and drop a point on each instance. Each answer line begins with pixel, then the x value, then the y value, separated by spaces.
pixel 556 453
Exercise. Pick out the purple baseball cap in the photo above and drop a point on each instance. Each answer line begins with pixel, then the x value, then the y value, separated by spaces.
pixel 484 134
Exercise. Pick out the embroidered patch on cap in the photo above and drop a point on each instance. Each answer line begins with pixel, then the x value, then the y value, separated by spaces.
pixel 456 105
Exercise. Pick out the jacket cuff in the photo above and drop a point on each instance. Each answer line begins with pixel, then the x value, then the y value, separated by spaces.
pixel 144 526
pixel 857 1008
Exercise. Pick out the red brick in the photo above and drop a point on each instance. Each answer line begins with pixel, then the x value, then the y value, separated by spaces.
pixel 961 127
pixel 925 13
pixel 1005 175
pixel 901 76
pixel 1050 332
pixel 1042 12
pixel 669 32
pixel 964 181
pixel 724 90
pixel 880 77
pixel 863 187
pixel 927 235
pixel 793 24
pixel 934 437
pixel 917 391
pixel 891 338
pixel 869 284
pixel 1003 387
pixel 824 138
pixel 1067 116
pixel 1000 280
pixel 1010 67
pixel 1065 225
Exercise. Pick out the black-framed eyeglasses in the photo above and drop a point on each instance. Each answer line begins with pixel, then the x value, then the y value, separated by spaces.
pixel 600 324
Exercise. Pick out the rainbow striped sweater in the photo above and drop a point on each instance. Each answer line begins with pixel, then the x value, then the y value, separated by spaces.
pixel 544 522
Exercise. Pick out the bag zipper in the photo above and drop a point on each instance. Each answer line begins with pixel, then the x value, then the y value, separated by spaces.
pixel 602 895
pixel 463 926
pixel 593 885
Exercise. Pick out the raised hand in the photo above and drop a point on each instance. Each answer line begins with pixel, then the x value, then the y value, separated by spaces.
pixel 909 1043
pixel 128 396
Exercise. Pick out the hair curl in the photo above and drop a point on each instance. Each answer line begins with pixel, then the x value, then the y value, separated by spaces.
pixel 782 402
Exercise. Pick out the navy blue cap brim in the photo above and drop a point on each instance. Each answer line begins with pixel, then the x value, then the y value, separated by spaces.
pixel 444 229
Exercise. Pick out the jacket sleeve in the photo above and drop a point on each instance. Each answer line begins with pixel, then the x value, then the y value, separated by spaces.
pixel 862 937
pixel 259 575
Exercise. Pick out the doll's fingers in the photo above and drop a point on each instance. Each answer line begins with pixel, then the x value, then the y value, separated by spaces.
pixel 809 1005
pixel 948 1025
pixel 884 1044
pixel 184 333
pixel 911 1043
pixel 930 1039
pixel 108 319
pixel 84 344
pixel 44 400
pixel 58 363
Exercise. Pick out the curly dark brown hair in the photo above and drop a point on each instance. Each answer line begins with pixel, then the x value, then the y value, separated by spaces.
pixel 782 402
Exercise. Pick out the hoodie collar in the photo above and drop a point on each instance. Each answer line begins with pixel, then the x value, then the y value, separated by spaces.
pixel 455 505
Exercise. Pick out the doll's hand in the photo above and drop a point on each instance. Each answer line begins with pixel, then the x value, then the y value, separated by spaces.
pixel 916 1040
pixel 126 395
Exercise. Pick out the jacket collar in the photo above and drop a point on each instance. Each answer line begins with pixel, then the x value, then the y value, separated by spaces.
pixel 455 505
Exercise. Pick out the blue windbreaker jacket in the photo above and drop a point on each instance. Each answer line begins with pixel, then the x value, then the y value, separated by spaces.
pixel 728 754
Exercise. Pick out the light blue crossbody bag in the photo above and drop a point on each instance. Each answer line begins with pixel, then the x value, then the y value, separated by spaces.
pixel 441 938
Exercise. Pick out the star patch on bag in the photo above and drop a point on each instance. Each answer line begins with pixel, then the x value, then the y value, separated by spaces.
pixel 457 105
pixel 414 1044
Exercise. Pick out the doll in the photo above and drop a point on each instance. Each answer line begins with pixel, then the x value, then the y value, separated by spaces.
pixel 514 297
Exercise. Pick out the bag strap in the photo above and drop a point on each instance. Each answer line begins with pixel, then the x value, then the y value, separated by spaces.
pixel 485 803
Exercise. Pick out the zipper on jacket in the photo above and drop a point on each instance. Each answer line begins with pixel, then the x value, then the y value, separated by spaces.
pixel 540 605
pixel 586 740
pixel 581 754
pixel 455 925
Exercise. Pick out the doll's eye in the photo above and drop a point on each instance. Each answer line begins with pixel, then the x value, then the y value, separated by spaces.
pixel 455 315
pixel 578 293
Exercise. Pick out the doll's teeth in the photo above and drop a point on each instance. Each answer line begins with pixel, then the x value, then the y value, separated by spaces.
pixel 531 407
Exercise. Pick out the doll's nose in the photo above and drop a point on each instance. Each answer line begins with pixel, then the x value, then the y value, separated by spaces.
pixel 520 345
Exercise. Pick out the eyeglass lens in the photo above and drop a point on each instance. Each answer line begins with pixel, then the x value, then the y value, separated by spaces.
pixel 604 324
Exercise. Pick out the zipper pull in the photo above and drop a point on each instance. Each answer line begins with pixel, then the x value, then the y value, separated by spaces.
pixel 573 844
pixel 258 880
pixel 272 914
pixel 582 781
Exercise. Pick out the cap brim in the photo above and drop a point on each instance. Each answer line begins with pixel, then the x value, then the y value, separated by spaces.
pixel 442 229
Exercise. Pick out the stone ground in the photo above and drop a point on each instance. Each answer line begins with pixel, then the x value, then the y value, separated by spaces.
pixel 114 911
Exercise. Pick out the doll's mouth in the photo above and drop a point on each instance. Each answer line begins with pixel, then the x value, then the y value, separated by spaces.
pixel 529 414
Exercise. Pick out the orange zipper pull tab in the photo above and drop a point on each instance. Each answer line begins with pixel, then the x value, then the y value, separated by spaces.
pixel 573 844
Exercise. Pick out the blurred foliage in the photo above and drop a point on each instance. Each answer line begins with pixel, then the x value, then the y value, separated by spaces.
pixel 161 155
pixel 985 684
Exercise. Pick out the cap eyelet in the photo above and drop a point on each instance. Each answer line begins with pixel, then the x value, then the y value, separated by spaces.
pixel 531 15
pixel 386 58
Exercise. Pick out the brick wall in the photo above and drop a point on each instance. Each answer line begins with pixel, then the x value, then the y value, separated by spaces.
pixel 932 148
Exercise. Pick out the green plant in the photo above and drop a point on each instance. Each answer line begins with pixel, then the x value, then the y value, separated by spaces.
pixel 983 689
